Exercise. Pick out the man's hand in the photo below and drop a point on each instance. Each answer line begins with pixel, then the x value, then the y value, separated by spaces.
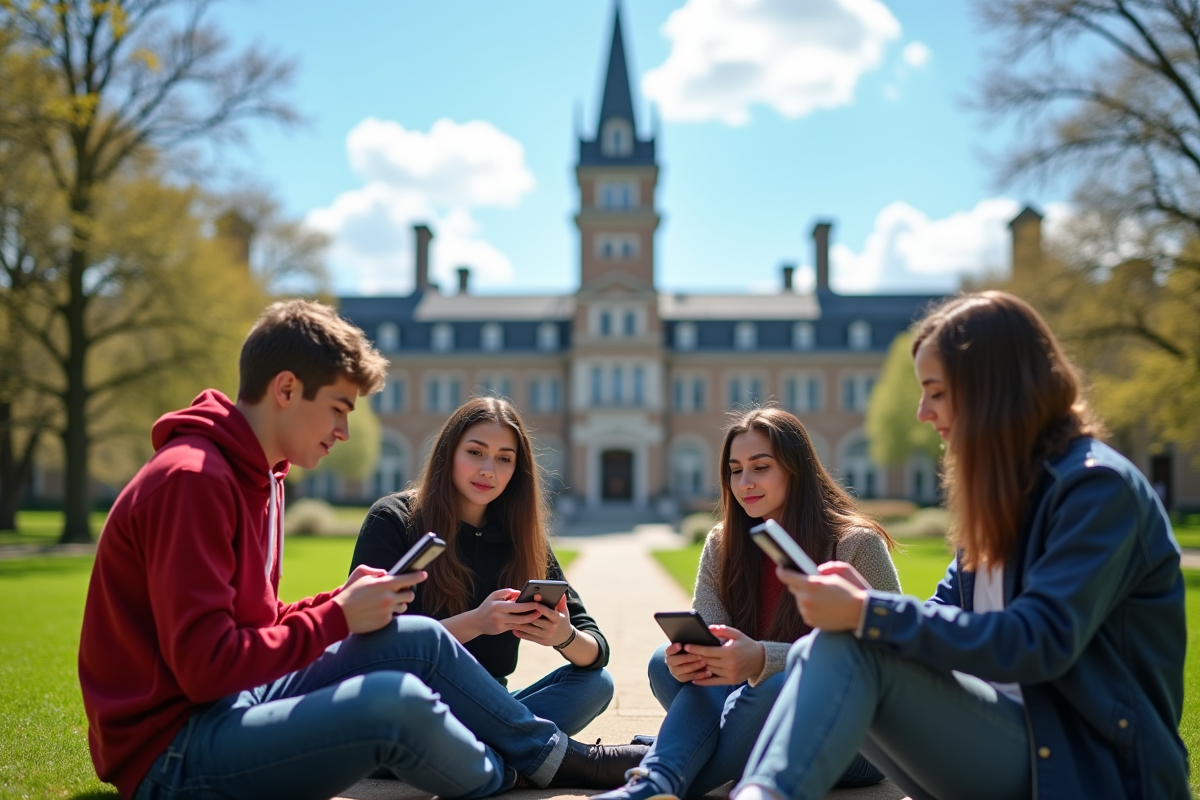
pixel 371 598
pixel 551 627
pixel 738 659
pixel 685 666
pixel 497 613
pixel 828 601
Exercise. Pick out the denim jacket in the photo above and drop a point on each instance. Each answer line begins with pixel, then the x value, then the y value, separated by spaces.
pixel 1093 630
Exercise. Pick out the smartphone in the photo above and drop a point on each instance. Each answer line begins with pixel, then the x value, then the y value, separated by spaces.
pixel 686 627
pixel 551 592
pixel 420 555
pixel 782 548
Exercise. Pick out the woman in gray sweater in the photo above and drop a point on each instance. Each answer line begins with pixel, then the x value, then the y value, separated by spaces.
pixel 717 698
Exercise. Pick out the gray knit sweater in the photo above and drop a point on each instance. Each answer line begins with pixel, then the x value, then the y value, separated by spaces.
pixel 861 548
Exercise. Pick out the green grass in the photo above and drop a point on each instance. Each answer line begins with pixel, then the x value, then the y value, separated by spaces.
pixel 43 730
pixel 921 564
pixel 1188 536
pixel 44 527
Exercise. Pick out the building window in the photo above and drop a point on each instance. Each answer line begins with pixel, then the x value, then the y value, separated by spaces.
pixel 618 386
pixel 858 335
pixel 616 140
pixel 639 386
pixel 547 336
pixel 606 323
pixel 616 196
pixel 614 246
pixel 495 386
pixel 804 336
pixel 745 336
pixel 803 394
pixel 442 394
pixel 443 337
pixel 545 395
pixel 492 337
pixel 391 399
pixel 389 471
pixel 685 336
pixel 856 391
pixel 859 473
pixel 689 394
pixel 388 337
pixel 630 323
pixel 687 470
pixel 597 386
pixel 745 390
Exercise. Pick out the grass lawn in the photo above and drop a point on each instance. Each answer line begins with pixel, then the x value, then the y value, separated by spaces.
pixel 921 564
pixel 43 731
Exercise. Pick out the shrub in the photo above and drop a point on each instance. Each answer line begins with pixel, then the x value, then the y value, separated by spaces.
pixel 888 510
pixel 696 526
pixel 310 517
pixel 926 522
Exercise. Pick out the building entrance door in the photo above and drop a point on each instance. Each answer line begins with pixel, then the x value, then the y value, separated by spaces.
pixel 616 475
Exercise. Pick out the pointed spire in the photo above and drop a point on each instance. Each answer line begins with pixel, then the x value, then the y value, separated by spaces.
pixel 618 100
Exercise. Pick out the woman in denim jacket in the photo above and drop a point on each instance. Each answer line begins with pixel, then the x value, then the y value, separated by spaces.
pixel 1049 664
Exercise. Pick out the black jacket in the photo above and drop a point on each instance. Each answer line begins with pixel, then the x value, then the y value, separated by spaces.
pixel 486 551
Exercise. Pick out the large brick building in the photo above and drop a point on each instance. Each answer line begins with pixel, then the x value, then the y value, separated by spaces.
pixel 625 385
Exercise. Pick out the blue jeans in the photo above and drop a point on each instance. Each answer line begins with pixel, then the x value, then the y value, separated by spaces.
pixel 569 697
pixel 407 697
pixel 709 731
pixel 936 734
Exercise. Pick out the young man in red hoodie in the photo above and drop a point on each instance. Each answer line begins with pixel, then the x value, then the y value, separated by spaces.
pixel 199 682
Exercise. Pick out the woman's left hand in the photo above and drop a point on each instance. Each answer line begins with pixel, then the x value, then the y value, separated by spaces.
pixel 553 627
pixel 739 659
pixel 827 601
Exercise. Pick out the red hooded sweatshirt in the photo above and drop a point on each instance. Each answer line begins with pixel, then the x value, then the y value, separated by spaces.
pixel 183 605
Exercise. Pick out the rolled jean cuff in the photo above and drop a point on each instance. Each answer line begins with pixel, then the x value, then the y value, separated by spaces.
pixel 544 773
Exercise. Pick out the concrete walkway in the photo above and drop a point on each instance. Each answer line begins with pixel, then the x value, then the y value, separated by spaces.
pixel 622 585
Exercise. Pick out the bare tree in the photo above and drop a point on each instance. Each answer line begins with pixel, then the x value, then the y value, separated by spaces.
pixel 128 79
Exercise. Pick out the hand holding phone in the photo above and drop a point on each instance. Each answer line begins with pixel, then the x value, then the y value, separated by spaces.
pixel 551 592
pixel 782 548
pixel 686 627
pixel 420 555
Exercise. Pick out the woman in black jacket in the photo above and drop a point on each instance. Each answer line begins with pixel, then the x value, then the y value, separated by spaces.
pixel 480 491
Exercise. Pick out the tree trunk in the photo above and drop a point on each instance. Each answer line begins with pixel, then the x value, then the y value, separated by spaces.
pixel 76 525
pixel 15 471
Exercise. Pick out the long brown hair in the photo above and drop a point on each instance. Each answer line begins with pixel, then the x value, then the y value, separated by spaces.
pixel 817 512
pixel 1016 400
pixel 520 509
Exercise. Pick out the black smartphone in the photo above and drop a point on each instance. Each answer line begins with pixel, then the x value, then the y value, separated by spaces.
pixel 551 592
pixel 420 555
pixel 782 548
pixel 686 627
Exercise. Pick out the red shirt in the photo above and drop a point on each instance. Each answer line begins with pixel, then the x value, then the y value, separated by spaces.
pixel 770 591
pixel 183 605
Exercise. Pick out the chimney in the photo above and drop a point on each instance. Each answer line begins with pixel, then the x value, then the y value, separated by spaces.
pixel 820 236
pixel 1026 230
pixel 423 236
pixel 788 271
pixel 464 278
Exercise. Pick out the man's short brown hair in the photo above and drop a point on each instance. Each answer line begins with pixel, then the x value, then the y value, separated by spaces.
pixel 313 342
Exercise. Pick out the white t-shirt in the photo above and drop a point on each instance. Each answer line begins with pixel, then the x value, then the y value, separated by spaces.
pixel 989 596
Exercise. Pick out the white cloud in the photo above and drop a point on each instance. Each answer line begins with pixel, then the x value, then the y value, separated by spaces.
pixel 413 177
pixel 916 54
pixel 908 251
pixel 796 57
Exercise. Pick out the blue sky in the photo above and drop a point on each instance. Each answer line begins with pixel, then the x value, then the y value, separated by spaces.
pixel 850 110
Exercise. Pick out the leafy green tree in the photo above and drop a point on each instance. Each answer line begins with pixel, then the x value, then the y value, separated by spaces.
pixel 120 86
pixel 892 428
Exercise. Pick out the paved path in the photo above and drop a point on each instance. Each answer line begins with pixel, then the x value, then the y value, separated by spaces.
pixel 622 585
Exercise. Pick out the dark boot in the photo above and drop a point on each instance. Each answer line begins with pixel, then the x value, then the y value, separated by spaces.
pixel 596 766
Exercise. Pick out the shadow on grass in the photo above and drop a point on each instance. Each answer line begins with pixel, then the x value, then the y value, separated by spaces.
pixel 43 566
pixel 100 795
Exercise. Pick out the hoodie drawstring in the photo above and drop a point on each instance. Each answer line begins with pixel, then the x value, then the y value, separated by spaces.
pixel 275 527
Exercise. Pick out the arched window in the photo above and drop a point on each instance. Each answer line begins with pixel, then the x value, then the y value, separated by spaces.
pixel 616 140
pixel 492 337
pixel 745 336
pixel 388 337
pixel 443 337
pixel 804 336
pixel 685 336
pixel 858 472
pixel 547 336
pixel 858 335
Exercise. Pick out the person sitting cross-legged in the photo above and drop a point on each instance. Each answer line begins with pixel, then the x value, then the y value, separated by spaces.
pixel 198 682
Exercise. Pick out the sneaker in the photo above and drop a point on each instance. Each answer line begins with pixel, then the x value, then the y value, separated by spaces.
pixel 596 766
pixel 639 786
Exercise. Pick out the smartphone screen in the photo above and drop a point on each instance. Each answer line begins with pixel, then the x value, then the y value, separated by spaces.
pixel 551 592
pixel 420 555
pixel 782 548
